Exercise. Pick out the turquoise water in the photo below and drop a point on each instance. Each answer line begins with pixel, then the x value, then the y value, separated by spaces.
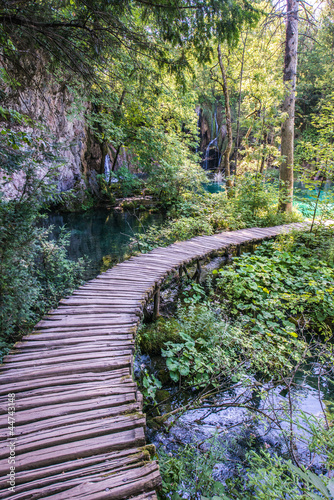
pixel 102 236
pixel 306 198
pixel 214 187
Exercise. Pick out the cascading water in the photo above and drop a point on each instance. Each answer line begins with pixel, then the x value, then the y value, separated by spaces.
pixel 218 178
pixel 107 167
pixel 211 160
pixel 207 156
pixel 198 111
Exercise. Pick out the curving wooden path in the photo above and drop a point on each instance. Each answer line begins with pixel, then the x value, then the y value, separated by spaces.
pixel 78 426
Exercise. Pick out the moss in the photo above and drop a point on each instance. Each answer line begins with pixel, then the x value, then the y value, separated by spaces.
pixel 161 395
pixel 150 448
pixel 153 337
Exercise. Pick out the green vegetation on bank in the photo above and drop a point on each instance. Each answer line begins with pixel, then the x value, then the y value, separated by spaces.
pixel 253 204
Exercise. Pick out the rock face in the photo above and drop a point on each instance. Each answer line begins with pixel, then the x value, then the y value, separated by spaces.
pixel 52 105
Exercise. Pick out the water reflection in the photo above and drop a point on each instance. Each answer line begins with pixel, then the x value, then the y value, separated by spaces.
pixel 102 235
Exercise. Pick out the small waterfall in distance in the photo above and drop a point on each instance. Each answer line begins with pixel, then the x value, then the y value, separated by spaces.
pixel 207 153
pixel 212 158
pixel 218 178
pixel 107 167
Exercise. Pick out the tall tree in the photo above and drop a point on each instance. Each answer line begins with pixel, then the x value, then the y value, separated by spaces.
pixel 228 149
pixel 287 133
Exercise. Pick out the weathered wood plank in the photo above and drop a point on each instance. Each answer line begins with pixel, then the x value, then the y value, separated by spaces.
pixel 21 386
pixel 56 410
pixel 104 364
pixel 73 449
pixel 110 463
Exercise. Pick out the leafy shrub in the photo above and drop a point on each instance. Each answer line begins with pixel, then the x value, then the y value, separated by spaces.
pixel 35 272
pixel 277 291
pixel 120 184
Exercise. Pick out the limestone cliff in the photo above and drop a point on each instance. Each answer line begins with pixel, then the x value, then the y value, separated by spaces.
pixel 51 105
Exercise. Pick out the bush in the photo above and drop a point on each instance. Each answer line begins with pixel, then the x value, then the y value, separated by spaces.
pixel 35 272
pixel 279 291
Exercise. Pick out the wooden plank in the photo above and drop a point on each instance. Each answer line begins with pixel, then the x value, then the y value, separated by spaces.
pixel 29 346
pixel 55 475
pixel 73 449
pixel 92 320
pixel 104 364
pixel 132 478
pixel 95 414
pixel 120 387
pixel 73 395
pixel 123 301
pixel 101 310
pixel 21 386
pixel 42 439
pixel 102 330
pixel 57 410
pixel 55 352
pixel 45 361
pixel 115 487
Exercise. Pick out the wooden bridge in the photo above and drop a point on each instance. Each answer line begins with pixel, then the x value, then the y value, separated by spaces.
pixel 71 414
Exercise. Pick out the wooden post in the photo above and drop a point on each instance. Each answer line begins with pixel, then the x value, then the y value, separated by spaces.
pixel 198 271
pixel 156 304
pixel 238 250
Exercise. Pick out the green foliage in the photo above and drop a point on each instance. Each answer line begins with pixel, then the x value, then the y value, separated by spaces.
pixel 120 184
pixel 83 36
pixel 254 204
pixel 211 348
pixel 190 472
pixel 275 291
pixel 34 271
pixel 149 385
pixel 201 347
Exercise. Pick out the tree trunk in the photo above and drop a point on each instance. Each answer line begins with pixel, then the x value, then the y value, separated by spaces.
pixel 287 134
pixel 239 107
pixel 263 159
pixel 228 149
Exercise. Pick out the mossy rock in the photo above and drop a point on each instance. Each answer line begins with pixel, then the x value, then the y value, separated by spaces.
pixel 161 395
pixel 154 336
pixel 163 376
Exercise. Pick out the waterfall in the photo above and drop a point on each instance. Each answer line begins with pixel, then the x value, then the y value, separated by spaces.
pixel 207 153
pixel 107 167
pixel 216 122
pixel 198 111
pixel 218 178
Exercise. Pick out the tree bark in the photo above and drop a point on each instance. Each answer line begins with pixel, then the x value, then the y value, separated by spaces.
pixel 228 149
pixel 239 106
pixel 287 133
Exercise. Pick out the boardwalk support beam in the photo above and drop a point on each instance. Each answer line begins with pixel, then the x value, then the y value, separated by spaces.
pixel 156 304
pixel 197 275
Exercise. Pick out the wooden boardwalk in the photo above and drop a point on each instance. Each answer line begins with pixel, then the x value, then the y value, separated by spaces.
pixel 78 427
